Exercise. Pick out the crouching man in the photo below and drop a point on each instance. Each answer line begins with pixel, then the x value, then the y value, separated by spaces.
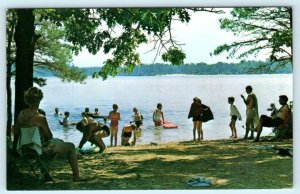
pixel 93 132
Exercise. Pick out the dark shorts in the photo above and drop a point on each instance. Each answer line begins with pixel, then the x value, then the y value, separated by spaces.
pixel 234 117
pixel 271 122
pixel 196 118
pixel 138 123
pixel 127 134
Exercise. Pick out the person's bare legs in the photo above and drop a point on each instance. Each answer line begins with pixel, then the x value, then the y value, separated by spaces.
pixel 234 134
pixel 194 130
pixel 231 128
pixel 116 135
pixel 259 128
pixel 249 122
pixel 200 130
pixel 69 149
pixel 97 140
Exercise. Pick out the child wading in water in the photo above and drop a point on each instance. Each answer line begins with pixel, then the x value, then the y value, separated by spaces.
pixel 158 116
pixel 235 114
pixel 114 117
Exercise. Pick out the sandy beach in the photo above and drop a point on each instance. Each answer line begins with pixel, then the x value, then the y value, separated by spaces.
pixel 228 164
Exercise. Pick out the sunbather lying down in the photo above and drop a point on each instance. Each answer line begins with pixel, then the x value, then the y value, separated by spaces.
pixel 93 132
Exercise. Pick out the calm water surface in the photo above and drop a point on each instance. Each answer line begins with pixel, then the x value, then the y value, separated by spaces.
pixel 174 92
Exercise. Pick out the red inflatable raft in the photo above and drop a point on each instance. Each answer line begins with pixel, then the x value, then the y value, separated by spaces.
pixel 169 125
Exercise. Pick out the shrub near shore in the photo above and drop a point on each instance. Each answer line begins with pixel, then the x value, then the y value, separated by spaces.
pixel 229 164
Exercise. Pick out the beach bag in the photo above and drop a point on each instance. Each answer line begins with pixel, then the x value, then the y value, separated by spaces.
pixel 207 115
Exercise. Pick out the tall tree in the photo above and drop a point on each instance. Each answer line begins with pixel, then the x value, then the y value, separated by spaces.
pixel 266 29
pixel 25 39
pixel 51 53
pixel 10 28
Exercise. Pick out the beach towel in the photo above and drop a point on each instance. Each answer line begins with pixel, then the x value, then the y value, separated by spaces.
pixel 207 115
pixel 31 138
pixel 199 181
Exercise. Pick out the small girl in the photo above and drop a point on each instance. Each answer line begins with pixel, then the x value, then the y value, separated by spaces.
pixel 158 116
pixel 235 114
pixel 114 117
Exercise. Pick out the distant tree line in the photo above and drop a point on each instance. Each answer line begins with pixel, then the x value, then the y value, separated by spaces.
pixel 248 67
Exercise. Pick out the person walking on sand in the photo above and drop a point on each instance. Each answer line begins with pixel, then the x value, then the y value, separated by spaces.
pixel 158 116
pixel 235 114
pixel 114 117
pixel 195 112
pixel 251 111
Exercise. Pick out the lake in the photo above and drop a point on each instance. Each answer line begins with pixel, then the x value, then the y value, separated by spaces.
pixel 175 92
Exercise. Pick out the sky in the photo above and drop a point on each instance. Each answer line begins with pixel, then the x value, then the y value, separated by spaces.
pixel 200 37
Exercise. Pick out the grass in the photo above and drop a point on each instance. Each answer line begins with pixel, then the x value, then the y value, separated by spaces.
pixel 229 164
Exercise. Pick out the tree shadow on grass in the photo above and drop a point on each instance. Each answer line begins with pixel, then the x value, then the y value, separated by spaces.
pixel 228 165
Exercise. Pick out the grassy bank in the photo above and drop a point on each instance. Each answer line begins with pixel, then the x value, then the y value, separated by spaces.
pixel 229 164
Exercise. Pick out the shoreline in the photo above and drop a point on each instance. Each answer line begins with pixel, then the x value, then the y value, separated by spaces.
pixel 229 164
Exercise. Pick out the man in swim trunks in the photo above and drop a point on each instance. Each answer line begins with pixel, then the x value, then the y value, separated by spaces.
pixel 281 117
pixel 251 111
pixel 91 133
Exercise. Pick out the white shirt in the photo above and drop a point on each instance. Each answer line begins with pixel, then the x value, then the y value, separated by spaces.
pixel 234 111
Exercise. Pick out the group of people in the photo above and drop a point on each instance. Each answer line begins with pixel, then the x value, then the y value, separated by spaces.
pixel 254 123
pixel 114 116
pixel 94 131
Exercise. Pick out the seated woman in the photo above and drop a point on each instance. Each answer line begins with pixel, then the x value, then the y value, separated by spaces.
pixel 283 115
pixel 30 117
pixel 93 132
pixel 127 133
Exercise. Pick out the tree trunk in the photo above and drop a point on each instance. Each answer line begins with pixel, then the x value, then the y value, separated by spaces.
pixel 9 62
pixel 24 38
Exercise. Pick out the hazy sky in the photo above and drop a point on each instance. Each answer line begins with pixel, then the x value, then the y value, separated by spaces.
pixel 200 37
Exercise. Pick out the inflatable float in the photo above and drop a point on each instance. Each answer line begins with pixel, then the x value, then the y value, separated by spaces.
pixel 99 116
pixel 169 125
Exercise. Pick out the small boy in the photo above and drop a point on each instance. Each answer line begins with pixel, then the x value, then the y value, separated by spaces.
pixel 127 133
pixel 65 121
pixel 235 114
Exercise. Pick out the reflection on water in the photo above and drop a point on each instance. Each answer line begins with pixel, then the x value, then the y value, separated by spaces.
pixel 157 134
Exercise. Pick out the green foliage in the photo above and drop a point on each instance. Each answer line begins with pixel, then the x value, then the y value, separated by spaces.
pixel 120 31
pixel 263 29
pixel 174 55
pixel 52 52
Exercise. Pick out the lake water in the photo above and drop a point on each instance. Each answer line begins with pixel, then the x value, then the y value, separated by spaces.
pixel 174 92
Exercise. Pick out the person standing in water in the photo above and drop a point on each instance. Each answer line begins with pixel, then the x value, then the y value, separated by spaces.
pixel 158 116
pixel 114 117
